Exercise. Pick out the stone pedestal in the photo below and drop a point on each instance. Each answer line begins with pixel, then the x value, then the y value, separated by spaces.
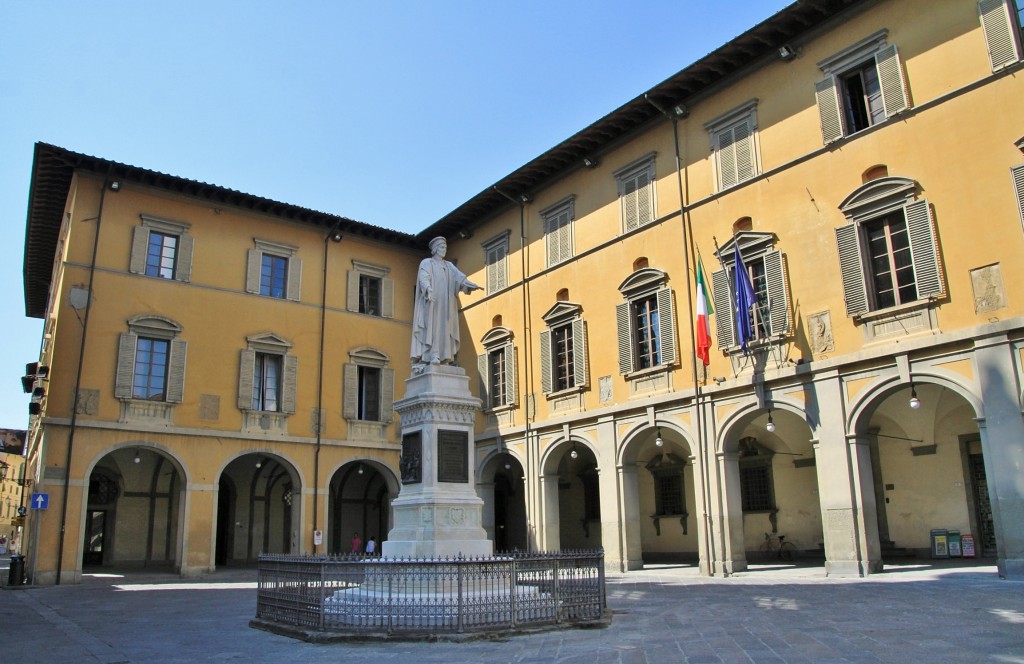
pixel 437 513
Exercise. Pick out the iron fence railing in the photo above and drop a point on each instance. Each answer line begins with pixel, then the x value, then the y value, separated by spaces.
pixel 362 595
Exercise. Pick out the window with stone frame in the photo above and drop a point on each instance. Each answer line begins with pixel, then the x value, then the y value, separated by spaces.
pixel 766 267
pixel 645 322
pixel 757 488
pixel 563 349
pixel 496 368
pixel 370 290
pixel 558 230
pixel 267 377
pixel 635 183
pixel 274 270
pixel 151 361
pixel 863 86
pixel 496 261
pixel 162 248
pixel 368 386
pixel 1002 22
pixel 734 145
pixel 888 250
pixel 667 471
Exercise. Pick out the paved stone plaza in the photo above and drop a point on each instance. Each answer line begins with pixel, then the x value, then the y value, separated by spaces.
pixel 912 613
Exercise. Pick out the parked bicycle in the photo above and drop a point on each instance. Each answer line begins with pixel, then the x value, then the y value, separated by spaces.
pixel 776 548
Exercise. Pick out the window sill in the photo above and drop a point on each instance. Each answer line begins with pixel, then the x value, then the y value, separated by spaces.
pixel 898 322
pixel 763 343
pixel 569 391
pixel 146 411
pixel 261 421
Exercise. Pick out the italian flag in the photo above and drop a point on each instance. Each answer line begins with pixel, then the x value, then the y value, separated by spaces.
pixel 703 309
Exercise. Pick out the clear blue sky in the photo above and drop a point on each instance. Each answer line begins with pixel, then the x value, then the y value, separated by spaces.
pixel 393 113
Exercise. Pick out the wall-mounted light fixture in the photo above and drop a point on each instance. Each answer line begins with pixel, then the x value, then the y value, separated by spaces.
pixel 591 162
pixel 574 454
pixel 465 234
pixel 681 111
pixel 659 441
pixel 915 403
pixel 115 185
pixel 771 423
pixel 787 52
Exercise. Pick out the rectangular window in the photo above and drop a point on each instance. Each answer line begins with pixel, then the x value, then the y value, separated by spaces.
pixel 497 376
pixel 273 275
pixel 891 266
pixel 369 394
pixel 564 368
pixel 1001 21
pixel 150 381
pixel 760 321
pixel 369 295
pixel 861 97
pixel 266 383
pixel 160 255
pixel 496 261
pixel 669 499
pixel 636 193
pixel 558 231
pixel 756 488
pixel 645 322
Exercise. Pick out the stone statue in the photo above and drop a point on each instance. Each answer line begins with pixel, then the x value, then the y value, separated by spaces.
pixel 435 320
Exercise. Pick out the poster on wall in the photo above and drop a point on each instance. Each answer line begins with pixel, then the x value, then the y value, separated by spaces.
pixel 12 441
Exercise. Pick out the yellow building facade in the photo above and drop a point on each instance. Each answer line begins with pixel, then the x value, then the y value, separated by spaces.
pixel 222 371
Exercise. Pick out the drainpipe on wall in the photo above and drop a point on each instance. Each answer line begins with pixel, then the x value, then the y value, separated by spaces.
pixel 107 183
pixel 333 235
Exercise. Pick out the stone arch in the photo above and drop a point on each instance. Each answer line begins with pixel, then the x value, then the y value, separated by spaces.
pixel 865 403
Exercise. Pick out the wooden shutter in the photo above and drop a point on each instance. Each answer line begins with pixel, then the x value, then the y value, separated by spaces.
pixel 183 261
pixel 492 271
pixel 744 138
pixel 666 326
pixel 726 158
pixel 294 278
pixel 579 353
pixel 289 384
pixel 1018 184
pixel 510 374
pixel 140 247
pixel 827 96
pixel 387 395
pixel 630 214
pixel 778 297
pixel 350 391
pixel 387 297
pixel 723 308
pixel 546 382
pixel 176 371
pixel 924 250
pixel 1000 34
pixel 246 369
pixel 624 326
pixel 252 273
pixel 851 268
pixel 352 291
pixel 125 365
pixel 483 367
pixel 644 199
pixel 890 79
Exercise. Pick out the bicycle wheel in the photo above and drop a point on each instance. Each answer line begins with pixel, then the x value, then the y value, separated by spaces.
pixel 765 552
pixel 787 551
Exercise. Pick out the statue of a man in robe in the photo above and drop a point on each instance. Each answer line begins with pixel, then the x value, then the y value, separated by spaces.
pixel 435 320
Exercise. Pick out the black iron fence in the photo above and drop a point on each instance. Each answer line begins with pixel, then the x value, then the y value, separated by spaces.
pixel 362 595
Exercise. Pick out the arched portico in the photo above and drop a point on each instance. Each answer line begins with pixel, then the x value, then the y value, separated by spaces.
pixel 360 494
pixel 261 510
pixel 571 496
pixel 501 485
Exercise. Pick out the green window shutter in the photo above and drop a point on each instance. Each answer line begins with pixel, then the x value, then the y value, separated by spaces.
pixel 176 371
pixel 350 391
pixel 140 245
pixel 851 269
pixel 1018 185
pixel 387 298
pixel 723 308
pixel 924 250
pixel 890 79
pixel 1000 35
pixel 483 366
pixel 294 278
pixel 510 375
pixel 252 273
pixel 387 395
pixel 827 96
pixel 546 379
pixel 352 291
pixel 246 368
pixel 579 353
pixel 125 365
pixel 778 298
pixel 625 333
pixel 726 158
pixel 289 383
pixel 183 261
pixel 667 326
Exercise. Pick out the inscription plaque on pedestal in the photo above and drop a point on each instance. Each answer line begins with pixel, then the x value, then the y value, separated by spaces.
pixel 411 463
pixel 452 456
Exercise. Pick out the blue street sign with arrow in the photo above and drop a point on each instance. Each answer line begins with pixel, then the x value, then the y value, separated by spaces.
pixel 40 501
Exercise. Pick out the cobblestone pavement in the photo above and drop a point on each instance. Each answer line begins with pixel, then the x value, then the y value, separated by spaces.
pixel 958 611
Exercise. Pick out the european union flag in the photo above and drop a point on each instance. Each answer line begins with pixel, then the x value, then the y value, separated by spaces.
pixel 745 298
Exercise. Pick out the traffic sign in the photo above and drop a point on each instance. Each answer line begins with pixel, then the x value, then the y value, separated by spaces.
pixel 40 501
